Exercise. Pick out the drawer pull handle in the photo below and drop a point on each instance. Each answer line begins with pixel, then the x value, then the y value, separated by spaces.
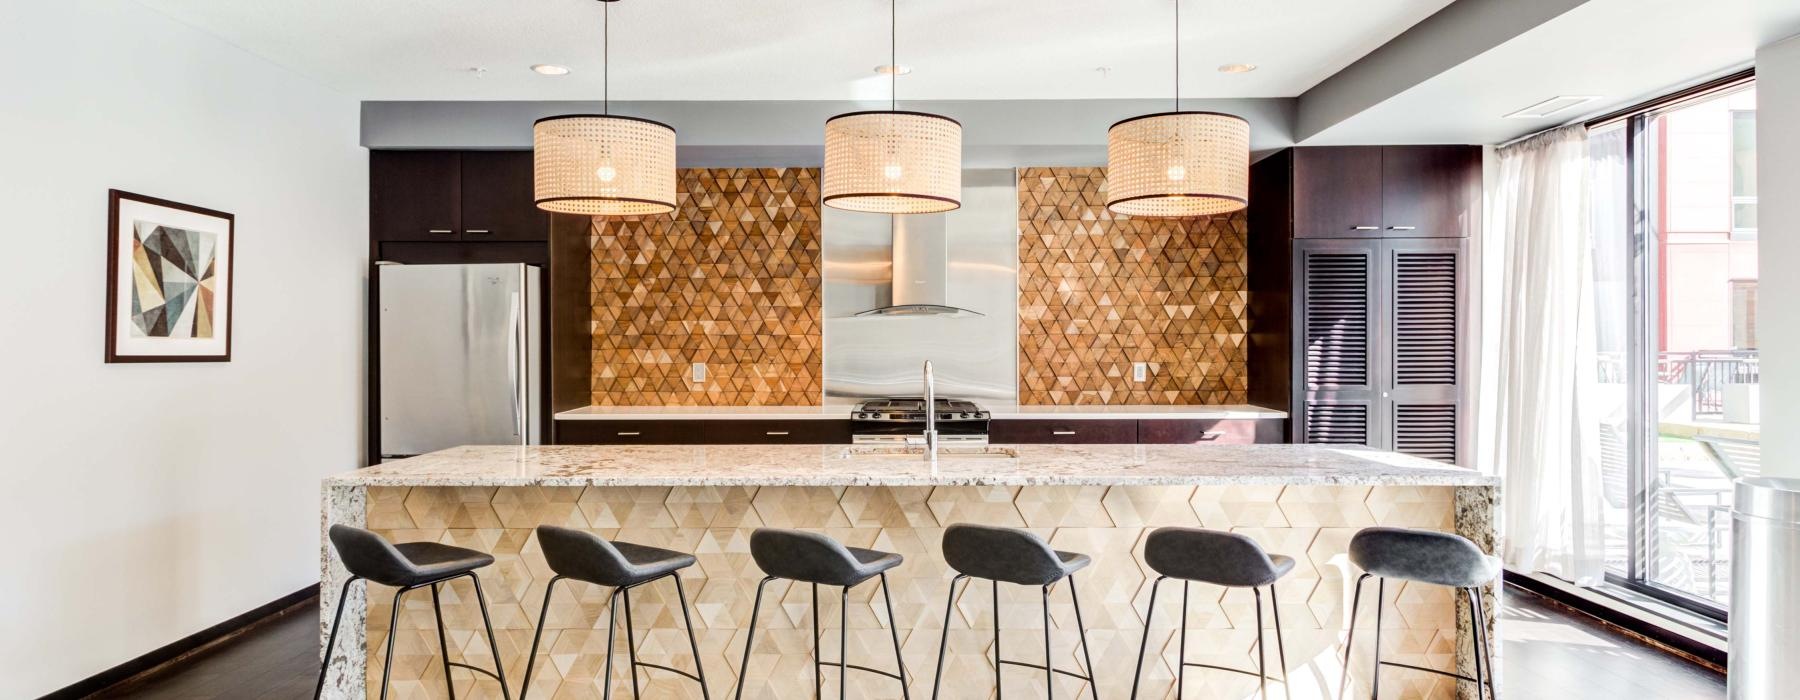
pixel 1404 228
pixel 631 433
pixel 1365 228
pixel 1062 432
pixel 1211 435
pixel 477 230
pixel 776 432
pixel 439 230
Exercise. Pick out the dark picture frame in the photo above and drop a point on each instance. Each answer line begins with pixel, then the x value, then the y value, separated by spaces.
pixel 181 349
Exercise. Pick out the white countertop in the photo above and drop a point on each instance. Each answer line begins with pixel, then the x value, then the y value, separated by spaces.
pixel 846 465
pixel 842 412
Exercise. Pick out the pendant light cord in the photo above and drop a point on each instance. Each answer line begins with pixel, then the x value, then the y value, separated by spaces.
pixel 893 55
pixel 605 57
pixel 1177 55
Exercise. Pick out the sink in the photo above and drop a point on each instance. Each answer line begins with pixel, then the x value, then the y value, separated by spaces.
pixel 917 452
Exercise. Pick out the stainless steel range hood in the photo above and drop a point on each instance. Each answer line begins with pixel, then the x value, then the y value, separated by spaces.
pixel 921 255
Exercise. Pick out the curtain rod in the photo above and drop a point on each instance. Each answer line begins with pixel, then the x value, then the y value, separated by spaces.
pixel 1691 92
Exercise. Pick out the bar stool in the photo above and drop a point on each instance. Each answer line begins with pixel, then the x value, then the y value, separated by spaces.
pixel 408 566
pixel 1003 554
pixel 809 557
pixel 585 557
pixel 1423 556
pixel 1220 558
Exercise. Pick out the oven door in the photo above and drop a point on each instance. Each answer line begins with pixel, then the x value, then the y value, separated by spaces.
pixel 889 433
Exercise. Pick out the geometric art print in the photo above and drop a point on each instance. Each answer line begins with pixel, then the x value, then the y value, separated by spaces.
pixel 173 281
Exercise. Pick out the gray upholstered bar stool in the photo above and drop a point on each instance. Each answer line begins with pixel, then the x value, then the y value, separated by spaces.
pixel 1008 555
pixel 1220 558
pixel 812 558
pixel 408 566
pixel 1423 556
pixel 583 556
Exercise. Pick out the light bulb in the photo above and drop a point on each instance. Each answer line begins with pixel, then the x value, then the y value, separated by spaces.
pixel 606 173
pixel 893 171
pixel 1177 172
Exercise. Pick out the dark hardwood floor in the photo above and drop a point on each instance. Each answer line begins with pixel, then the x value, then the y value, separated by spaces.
pixel 1547 653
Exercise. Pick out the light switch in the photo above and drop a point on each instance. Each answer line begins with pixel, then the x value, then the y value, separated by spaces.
pixel 699 372
pixel 1140 371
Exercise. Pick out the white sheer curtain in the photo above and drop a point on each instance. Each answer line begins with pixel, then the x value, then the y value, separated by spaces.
pixel 1537 361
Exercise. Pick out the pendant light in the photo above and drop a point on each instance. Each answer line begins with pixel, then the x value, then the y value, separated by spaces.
pixel 890 161
pixel 603 164
pixel 1175 164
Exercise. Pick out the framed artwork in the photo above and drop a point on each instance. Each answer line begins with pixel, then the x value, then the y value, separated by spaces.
pixel 168 281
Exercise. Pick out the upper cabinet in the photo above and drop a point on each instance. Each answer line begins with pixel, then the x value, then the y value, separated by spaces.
pixel 1386 191
pixel 469 196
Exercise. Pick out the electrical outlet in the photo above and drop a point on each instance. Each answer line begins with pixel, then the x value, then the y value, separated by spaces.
pixel 1140 371
pixel 699 372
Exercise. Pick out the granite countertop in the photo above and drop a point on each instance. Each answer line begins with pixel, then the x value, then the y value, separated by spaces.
pixel 846 465
pixel 1000 411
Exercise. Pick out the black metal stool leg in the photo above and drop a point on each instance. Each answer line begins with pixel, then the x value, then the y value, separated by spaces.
pixel 1081 628
pixel 750 637
pixel 818 658
pixel 612 618
pixel 693 644
pixel 937 679
pixel 1181 648
pixel 1280 646
pixel 1380 597
pixel 1049 658
pixel 844 643
pixel 1483 645
pixel 531 661
pixel 499 667
pixel 998 695
pixel 331 639
pixel 1350 637
pixel 1143 645
pixel 630 641
pixel 437 609
pixel 894 630
pixel 1262 669
pixel 387 662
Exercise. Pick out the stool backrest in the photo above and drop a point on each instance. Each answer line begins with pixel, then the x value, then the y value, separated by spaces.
pixel 1001 554
pixel 368 555
pixel 799 555
pixel 582 555
pixel 1210 556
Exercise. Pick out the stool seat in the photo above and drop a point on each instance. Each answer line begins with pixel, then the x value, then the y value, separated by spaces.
pixel 371 556
pixel 1007 554
pixel 584 556
pixel 810 557
pixel 1213 556
pixel 1427 556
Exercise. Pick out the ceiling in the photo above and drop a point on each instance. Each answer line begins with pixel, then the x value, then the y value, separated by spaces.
pixel 804 49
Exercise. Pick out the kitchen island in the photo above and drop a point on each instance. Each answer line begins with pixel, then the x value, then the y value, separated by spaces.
pixel 1301 500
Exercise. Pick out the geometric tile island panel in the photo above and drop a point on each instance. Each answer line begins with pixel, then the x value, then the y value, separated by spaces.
pixel 1313 524
pixel 172 281
pixel 1100 291
pixel 731 278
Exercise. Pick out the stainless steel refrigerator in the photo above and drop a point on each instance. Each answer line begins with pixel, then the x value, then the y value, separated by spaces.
pixel 459 351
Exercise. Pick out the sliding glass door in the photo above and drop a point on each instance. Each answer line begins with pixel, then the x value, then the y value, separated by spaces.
pixel 1674 274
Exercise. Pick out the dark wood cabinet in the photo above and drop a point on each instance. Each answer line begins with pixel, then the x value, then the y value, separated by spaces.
pixel 1063 432
pixel 1337 192
pixel 1386 191
pixel 1229 431
pixel 460 196
pixel 414 196
pixel 703 432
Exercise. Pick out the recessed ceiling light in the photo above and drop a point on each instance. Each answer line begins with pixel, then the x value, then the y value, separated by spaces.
pixel 893 69
pixel 1551 106
pixel 550 69
pixel 1237 68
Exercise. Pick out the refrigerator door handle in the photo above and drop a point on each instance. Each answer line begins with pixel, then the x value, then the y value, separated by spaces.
pixel 514 355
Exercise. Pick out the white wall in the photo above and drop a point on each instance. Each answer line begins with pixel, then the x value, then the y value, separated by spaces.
pixel 1778 226
pixel 141 503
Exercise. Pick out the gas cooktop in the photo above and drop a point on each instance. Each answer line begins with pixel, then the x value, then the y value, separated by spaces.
pixel 912 410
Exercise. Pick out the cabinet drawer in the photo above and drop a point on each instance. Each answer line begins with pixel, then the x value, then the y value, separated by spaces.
pixel 776 432
pixel 1211 432
pixel 626 432
pixel 1068 432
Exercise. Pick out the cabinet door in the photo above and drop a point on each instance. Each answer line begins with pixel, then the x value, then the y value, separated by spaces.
pixel 497 198
pixel 1423 317
pixel 1334 304
pixel 1430 191
pixel 413 196
pixel 1337 192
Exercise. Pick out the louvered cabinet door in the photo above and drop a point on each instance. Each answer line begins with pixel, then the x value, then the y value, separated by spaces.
pixel 1422 322
pixel 1334 304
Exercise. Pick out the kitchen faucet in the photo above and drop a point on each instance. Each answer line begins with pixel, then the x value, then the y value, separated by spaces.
pixel 931 434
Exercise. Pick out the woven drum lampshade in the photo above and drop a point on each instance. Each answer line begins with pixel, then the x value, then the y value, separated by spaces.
pixel 893 162
pixel 603 165
pixel 1178 164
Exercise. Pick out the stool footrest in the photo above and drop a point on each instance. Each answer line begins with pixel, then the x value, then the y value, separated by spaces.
pixel 875 671
pixel 476 669
pixel 1040 667
pixel 1446 674
pixel 1252 674
pixel 661 667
